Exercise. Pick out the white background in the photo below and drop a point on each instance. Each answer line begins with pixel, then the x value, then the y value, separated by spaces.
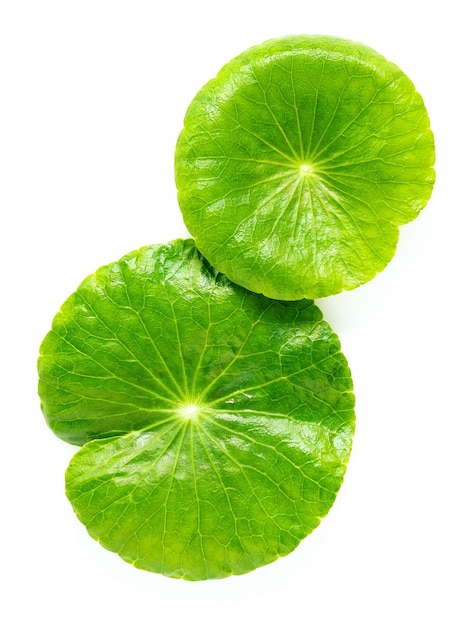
pixel 92 98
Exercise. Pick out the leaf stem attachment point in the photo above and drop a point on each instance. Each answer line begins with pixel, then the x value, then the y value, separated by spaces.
pixel 306 169
pixel 189 411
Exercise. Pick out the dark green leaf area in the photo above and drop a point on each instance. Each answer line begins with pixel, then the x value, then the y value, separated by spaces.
pixel 217 423
pixel 299 161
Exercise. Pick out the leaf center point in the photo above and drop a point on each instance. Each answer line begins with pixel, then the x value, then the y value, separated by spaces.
pixel 306 169
pixel 189 411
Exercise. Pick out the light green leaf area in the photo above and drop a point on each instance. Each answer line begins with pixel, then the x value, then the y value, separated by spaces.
pixel 216 423
pixel 299 161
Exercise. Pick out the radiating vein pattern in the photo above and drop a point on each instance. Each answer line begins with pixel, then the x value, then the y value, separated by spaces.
pixel 216 423
pixel 299 161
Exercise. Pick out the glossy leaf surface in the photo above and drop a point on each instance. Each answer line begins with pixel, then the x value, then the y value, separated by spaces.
pixel 216 423
pixel 299 161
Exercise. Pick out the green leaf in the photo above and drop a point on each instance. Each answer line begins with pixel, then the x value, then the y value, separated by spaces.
pixel 219 422
pixel 299 161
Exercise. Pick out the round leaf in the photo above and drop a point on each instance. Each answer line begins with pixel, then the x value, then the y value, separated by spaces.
pixel 299 161
pixel 216 423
